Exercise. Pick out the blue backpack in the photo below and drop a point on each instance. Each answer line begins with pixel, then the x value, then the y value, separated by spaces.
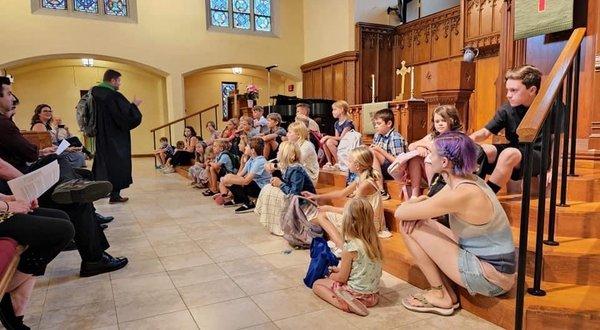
pixel 321 258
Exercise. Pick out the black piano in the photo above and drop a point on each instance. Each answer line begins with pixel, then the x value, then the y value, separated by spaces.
pixel 320 111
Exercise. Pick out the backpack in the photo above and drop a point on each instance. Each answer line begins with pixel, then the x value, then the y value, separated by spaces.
pixel 86 114
pixel 235 159
pixel 295 222
pixel 321 258
pixel 350 141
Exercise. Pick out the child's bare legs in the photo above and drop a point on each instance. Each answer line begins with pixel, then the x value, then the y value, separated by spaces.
pixel 269 147
pixel 163 158
pixel 329 228
pixel 20 290
pixel 428 172
pixel 322 288
pixel 435 251
pixel 212 179
pixel 508 160
pixel 223 189
pixel 331 146
pixel 415 172
pixel 378 159
pixel 327 152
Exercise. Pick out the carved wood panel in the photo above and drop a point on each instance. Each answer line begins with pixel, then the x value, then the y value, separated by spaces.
pixel 376 45
pixel 483 21
pixel 333 77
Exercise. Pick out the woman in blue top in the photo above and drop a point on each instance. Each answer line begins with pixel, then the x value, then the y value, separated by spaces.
pixel 477 252
pixel 251 179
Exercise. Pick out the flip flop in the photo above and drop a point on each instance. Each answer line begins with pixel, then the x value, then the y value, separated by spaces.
pixel 456 305
pixel 426 307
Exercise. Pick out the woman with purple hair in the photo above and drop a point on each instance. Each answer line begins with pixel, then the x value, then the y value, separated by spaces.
pixel 477 251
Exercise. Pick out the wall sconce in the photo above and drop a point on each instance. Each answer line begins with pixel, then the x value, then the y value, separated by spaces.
pixel 87 62
pixel 236 70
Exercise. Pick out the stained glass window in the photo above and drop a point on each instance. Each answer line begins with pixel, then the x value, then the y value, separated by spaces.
pixel 226 89
pixel 241 14
pixel 115 7
pixel 86 6
pixel 54 4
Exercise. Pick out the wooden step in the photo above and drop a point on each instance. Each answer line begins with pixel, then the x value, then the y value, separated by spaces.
pixel 569 306
pixel 579 219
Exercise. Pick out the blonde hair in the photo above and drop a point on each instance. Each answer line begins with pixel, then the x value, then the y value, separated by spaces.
pixel 289 153
pixel 275 116
pixel 221 143
pixel 363 157
pixel 209 153
pixel 302 119
pixel 300 129
pixel 358 223
pixel 341 104
pixel 248 120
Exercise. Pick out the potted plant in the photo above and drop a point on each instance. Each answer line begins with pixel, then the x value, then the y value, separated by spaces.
pixel 252 92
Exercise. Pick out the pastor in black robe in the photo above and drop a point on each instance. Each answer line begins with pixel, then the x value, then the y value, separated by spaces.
pixel 116 116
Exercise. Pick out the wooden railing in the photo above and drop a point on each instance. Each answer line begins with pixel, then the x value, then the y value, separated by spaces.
pixel 184 119
pixel 552 115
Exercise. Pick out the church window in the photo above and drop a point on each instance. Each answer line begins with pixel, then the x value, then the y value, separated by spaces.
pixel 240 15
pixel 114 10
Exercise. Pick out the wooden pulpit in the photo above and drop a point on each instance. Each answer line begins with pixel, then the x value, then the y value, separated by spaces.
pixel 448 82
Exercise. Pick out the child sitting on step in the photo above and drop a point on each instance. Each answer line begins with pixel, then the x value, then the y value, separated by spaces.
pixel 274 136
pixel 354 284
pixel 360 161
pixel 164 152
pixel 222 165
pixel 197 171
pixel 445 118
pixel 341 126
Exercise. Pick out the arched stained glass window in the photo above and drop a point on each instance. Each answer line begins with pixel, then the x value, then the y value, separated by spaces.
pixel 115 7
pixel 249 15
pixel 86 6
pixel 54 4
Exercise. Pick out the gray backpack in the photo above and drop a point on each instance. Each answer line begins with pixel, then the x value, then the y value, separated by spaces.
pixel 86 114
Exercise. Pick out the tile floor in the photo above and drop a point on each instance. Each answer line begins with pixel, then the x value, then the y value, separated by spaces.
pixel 196 265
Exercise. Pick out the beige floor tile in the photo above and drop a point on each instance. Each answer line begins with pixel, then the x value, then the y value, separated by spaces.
pixel 171 248
pixel 210 292
pixel 289 302
pixel 391 283
pixel 181 261
pixel 152 302
pixel 256 283
pixel 275 246
pixel 80 317
pixel 264 326
pixel 77 294
pixel 193 275
pixel 315 320
pixel 123 287
pixel 222 254
pixel 386 315
pixel 233 314
pixel 246 266
pixel 138 267
pixel 182 320
pixel 282 260
pixel 202 230
pixel 218 241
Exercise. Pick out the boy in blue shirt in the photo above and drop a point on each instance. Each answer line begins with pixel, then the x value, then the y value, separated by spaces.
pixel 387 145
pixel 250 180
pixel 222 165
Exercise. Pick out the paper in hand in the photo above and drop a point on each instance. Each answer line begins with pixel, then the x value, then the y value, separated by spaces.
pixel 64 144
pixel 32 185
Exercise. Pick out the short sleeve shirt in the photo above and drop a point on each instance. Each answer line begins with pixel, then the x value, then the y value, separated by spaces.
pixel 280 131
pixel 261 124
pixel 256 166
pixel 341 126
pixel 392 142
pixel 365 273
pixel 224 160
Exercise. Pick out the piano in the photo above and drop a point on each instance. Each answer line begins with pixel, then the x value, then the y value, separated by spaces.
pixel 320 111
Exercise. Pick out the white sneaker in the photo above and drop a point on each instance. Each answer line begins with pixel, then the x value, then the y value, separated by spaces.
pixel 384 233
pixel 168 170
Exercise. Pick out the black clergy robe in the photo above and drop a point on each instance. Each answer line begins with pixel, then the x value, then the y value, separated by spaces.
pixel 115 118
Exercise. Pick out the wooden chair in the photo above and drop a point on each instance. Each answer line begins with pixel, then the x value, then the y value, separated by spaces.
pixel 9 269
pixel 40 139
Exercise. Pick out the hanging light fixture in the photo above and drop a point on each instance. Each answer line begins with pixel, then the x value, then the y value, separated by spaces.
pixel 88 62
pixel 236 70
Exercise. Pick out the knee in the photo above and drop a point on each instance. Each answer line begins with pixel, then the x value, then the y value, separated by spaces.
pixel 510 157
pixel 330 143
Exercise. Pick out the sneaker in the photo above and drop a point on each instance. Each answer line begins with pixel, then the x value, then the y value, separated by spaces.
pixel 384 195
pixel 168 170
pixel 384 234
pixel 328 167
pixel 81 191
pixel 245 208
pixel 230 203
pixel 209 193
pixel 354 304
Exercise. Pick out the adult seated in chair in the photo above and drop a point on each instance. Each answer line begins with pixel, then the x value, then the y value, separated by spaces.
pixel 72 194
pixel 43 121
pixel 45 232
pixel 477 252
pixel 505 160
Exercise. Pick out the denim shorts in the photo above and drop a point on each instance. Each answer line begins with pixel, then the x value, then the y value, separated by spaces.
pixel 472 276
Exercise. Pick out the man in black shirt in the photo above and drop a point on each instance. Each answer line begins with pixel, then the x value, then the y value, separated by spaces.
pixel 522 86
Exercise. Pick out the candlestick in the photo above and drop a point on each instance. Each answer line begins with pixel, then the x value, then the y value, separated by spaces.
pixel 412 82
pixel 373 88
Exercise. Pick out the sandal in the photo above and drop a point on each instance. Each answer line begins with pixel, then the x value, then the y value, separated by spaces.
pixel 355 305
pixel 426 306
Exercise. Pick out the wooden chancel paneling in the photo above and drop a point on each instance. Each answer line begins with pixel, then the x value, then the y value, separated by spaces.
pixel 483 21
pixel 333 77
